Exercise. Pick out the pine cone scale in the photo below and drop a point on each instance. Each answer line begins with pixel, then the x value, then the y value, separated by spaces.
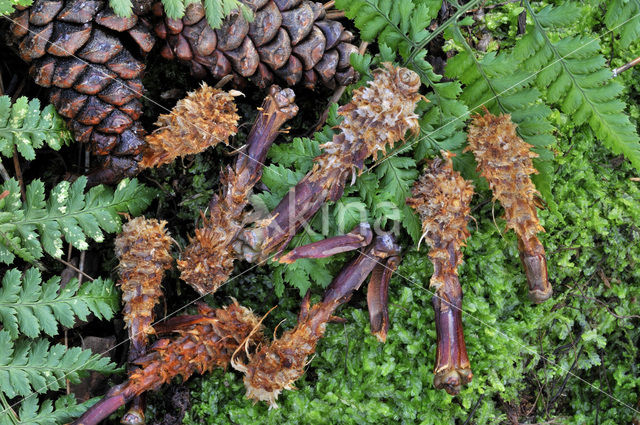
pixel 79 11
pixel 265 25
pixel 67 39
pixel 42 12
pixel 34 44
pixel 110 20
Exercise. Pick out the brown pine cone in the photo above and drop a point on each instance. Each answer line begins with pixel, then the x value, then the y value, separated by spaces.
pixel 77 48
pixel 290 39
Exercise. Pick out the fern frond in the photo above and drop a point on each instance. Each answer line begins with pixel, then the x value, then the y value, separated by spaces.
pixel 24 126
pixel 28 366
pixel 26 229
pixel 623 18
pixel 29 306
pixel 574 77
pixel 65 409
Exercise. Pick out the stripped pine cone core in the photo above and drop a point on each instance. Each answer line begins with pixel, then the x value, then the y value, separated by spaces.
pixel 379 115
pixel 442 199
pixel 505 160
pixel 204 118
pixel 77 49
pixel 290 40
pixel 143 251
pixel 205 341
pixel 275 367
pixel 207 344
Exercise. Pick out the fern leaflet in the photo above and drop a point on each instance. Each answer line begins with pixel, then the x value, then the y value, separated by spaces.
pixel 64 410
pixel 623 18
pixel 574 76
pixel 24 126
pixel 29 306
pixel 28 228
pixel 35 365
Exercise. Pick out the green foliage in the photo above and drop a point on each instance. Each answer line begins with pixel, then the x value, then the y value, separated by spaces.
pixel 29 306
pixel 8 6
pixel 28 366
pixel 623 18
pixel 24 126
pixel 64 410
pixel 574 77
pixel 216 10
pixel 26 228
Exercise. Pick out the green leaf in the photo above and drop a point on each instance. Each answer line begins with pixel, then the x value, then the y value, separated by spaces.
pixel 25 127
pixel 28 366
pixel 29 306
pixel 28 229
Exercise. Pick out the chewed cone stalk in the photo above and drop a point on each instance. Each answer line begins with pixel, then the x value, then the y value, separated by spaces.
pixel 204 342
pixel 378 116
pixel 442 197
pixel 505 160
pixel 208 260
pixel 274 368
pixel 206 117
pixel 143 251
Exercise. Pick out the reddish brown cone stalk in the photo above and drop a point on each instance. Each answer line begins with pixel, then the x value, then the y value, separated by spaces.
pixel 205 341
pixel 442 197
pixel 143 251
pixel 276 367
pixel 504 159
pixel 208 260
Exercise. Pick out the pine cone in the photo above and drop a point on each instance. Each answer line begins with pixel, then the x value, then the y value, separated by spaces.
pixel 204 118
pixel 504 159
pixel 290 39
pixel 77 48
pixel 442 198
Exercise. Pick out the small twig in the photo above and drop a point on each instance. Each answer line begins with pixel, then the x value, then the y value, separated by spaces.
pixel 473 411
pixel 71 266
pixel 626 66
pixel 83 255
pixel 335 14
pixel 16 166
pixel 3 172
pixel 329 4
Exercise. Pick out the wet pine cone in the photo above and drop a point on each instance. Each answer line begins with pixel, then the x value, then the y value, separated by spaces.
pixel 77 48
pixel 288 39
